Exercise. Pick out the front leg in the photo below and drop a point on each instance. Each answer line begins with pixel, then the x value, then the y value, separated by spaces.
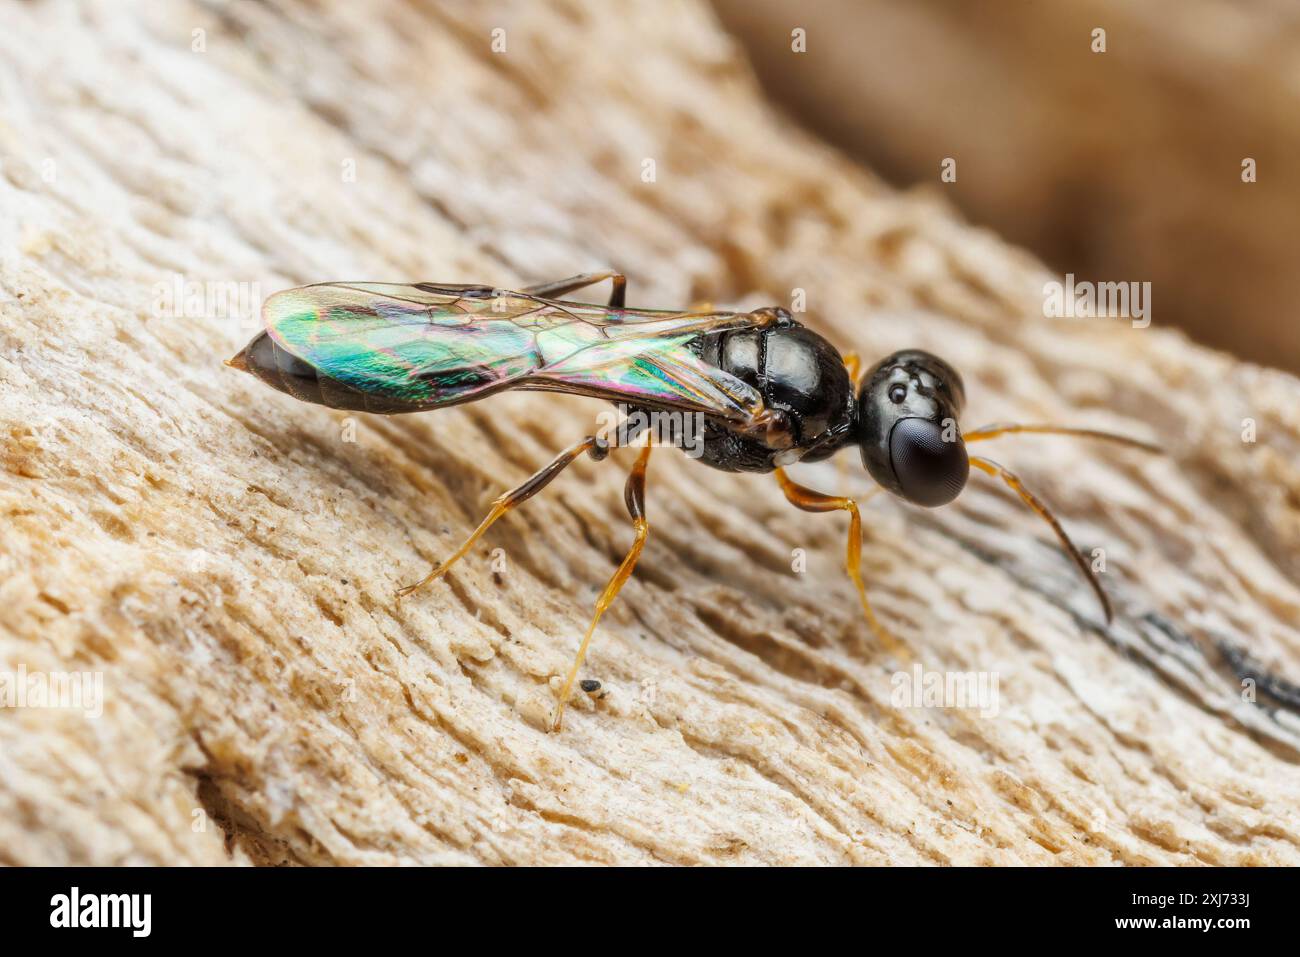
pixel 812 501
pixel 853 363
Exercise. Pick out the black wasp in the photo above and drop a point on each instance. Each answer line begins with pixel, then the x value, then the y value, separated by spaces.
pixel 769 391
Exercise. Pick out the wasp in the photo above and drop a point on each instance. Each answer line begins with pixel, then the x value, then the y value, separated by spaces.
pixel 769 391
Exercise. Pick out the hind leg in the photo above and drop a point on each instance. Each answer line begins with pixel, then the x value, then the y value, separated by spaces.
pixel 598 448
pixel 558 287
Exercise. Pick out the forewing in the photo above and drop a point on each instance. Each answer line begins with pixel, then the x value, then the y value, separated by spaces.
pixel 432 345
pixel 400 341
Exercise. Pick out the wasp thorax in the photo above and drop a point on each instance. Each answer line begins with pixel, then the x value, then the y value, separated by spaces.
pixel 907 421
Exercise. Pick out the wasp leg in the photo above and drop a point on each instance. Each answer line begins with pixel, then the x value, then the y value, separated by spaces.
pixel 990 467
pixel 598 447
pixel 812 501
pixel 853 362
pixel 558 287
pixel 634 496
pixel 1007 428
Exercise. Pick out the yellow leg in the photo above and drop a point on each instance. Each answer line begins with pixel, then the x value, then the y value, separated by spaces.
pixel 634 496
pixel 812 501
pixel 506 502
pixel 853 362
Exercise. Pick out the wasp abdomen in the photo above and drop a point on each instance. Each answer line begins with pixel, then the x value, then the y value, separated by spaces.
pixel 288 374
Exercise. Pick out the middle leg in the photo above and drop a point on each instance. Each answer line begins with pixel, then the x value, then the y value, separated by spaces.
pixel 634 497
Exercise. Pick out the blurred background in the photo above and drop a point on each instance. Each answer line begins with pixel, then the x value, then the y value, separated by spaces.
pixel 1122 166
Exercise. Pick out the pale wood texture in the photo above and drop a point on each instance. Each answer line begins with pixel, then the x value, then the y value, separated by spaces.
pixel 228 558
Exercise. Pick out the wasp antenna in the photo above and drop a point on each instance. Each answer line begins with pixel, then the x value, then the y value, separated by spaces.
pixel 1006 428
pixel 1034 502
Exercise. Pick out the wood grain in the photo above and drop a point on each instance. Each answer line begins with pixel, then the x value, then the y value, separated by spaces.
pixel 227 557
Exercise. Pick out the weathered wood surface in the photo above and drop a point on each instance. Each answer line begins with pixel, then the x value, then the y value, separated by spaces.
pixel 227 558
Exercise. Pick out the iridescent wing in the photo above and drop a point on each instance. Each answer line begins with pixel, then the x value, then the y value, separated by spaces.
pixel 432 345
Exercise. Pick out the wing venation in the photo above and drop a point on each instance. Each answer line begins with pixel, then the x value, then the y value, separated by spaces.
pixel 432 345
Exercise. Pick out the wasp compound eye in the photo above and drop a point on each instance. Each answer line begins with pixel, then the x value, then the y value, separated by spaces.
pixel 930 471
